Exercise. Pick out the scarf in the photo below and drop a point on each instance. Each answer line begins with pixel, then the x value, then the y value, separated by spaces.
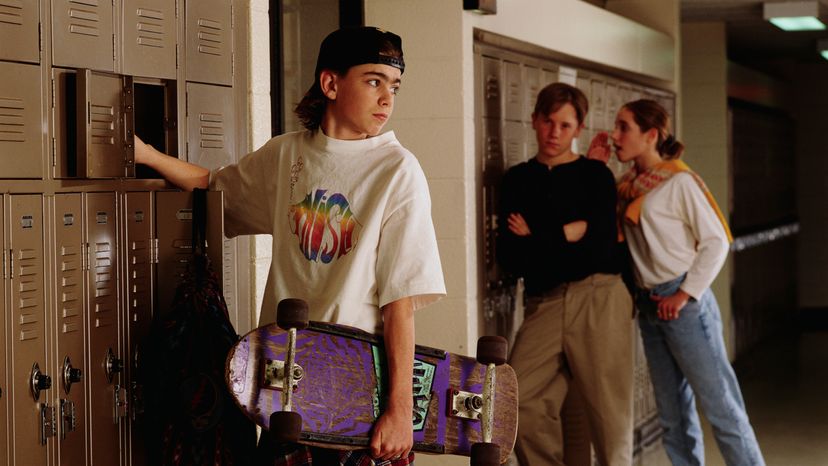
pixel 634 185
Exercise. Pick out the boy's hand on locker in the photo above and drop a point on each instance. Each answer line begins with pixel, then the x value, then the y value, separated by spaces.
pixel 143 151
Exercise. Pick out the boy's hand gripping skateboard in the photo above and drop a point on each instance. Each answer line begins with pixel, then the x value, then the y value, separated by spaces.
pixel 462 406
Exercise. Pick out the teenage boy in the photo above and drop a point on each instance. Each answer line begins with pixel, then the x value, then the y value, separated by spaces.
pixel 559 233
pixel 350 214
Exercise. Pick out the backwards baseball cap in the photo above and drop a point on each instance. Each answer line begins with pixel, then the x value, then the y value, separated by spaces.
pixel 352 46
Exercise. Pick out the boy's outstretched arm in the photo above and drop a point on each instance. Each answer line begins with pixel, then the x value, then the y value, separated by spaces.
pixel 185 175
pixel 393 434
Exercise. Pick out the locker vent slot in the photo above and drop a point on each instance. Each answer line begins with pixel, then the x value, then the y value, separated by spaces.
pixel 84 18
pixel 11 119
pixel 150 28
pixel 103 124
pixel 211 131
pixel 209 37
pixel 11 12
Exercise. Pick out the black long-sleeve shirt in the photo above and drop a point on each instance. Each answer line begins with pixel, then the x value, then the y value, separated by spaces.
pixel 548 199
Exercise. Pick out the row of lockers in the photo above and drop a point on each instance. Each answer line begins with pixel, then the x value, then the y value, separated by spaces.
pixel 83 273
pixel 130 37
pixel 93 116
pixel 511 86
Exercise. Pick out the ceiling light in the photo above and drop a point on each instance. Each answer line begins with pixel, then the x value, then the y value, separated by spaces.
pixel 822 48
pixel 795 15
pixel 484 7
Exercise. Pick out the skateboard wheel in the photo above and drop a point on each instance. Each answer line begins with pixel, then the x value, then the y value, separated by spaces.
pixel 285 426
pixel 292 313
pixel 485 454
pixel 492 350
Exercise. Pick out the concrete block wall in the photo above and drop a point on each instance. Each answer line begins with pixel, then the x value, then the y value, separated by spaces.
pixel 704 129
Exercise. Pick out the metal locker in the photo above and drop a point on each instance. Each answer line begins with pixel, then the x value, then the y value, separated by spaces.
pixel 491 87
pixel 138 221
pixel 105 125
pixel 4 363
pixel 531 88
pixel 173 228
pixel 21 148
pixel 107 400
pixel 32 414
pixel 149 38
pixel 70 380
pixel 83 35
pixel 210 134
pixel 209 37
pixel 19 31
pixel 513 105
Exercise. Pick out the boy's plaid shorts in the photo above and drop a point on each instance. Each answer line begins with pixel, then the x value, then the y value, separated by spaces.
pixel 300 455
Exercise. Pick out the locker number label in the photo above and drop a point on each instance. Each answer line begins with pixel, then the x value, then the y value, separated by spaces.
pixel 27 221
pixel 184 215
pixel 102 218
pixel 68 220
pixel 139 216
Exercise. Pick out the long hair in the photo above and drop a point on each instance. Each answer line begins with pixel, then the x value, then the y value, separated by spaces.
pixel 650 114
pixel 311 108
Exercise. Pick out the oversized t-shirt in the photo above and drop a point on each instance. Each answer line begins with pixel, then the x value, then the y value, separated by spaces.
pixel 351 224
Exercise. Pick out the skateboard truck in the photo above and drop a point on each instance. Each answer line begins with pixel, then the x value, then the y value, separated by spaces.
pixel 491 351
pixel 466 405
pixel 274 374
pixel 285 425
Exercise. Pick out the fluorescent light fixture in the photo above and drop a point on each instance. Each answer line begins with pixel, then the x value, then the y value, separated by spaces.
pixel 822 48
pixel 794 15
pixel 483 7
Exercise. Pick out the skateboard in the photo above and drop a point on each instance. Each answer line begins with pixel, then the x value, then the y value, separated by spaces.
pixel 339 379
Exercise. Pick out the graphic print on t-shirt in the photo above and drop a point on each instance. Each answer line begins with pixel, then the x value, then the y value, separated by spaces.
pixel 325 225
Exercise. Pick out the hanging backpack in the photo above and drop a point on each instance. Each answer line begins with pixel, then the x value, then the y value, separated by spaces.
pixel 191 419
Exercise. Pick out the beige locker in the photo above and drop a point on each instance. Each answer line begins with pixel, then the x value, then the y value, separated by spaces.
pixel 210 125
pixel 106 396
pixel 70 379
pixel 149 38
pixel 33 416
pixel 19 38
pixel 138 221
pixel 492 85
pixel 105 125
pixel 21 143
pixel 173 228
pixel 513 92
pixel 4 363
pixel 83 35
pixel 209 38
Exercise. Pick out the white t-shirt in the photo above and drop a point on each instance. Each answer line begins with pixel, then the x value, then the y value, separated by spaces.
pixel 351 224
pixel 678 232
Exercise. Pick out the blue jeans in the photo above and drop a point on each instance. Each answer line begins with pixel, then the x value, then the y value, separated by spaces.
pixel 687 356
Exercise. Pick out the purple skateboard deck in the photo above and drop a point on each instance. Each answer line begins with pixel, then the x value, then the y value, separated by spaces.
pixel 341 383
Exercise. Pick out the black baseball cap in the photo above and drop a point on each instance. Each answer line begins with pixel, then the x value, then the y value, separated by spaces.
pixel 352 46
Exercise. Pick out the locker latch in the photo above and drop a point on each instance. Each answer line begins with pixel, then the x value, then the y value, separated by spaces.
pixel 120 403
pixel 68 417
pixel 39 381
pixel 136 399
pixel 47 422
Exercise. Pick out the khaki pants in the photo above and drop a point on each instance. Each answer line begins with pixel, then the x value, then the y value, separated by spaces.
pixel 580 333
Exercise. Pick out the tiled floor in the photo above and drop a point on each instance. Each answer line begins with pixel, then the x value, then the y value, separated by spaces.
pixel 785 385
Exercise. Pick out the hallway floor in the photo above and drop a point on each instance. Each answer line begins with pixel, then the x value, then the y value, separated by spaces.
pixel 785 385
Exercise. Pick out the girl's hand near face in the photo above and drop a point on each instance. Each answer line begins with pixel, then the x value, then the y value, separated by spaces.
pixel 599 148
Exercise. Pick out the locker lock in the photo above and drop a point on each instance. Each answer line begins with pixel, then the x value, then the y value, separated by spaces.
pixel 113 365
pixel 39 381
pixel 70 374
